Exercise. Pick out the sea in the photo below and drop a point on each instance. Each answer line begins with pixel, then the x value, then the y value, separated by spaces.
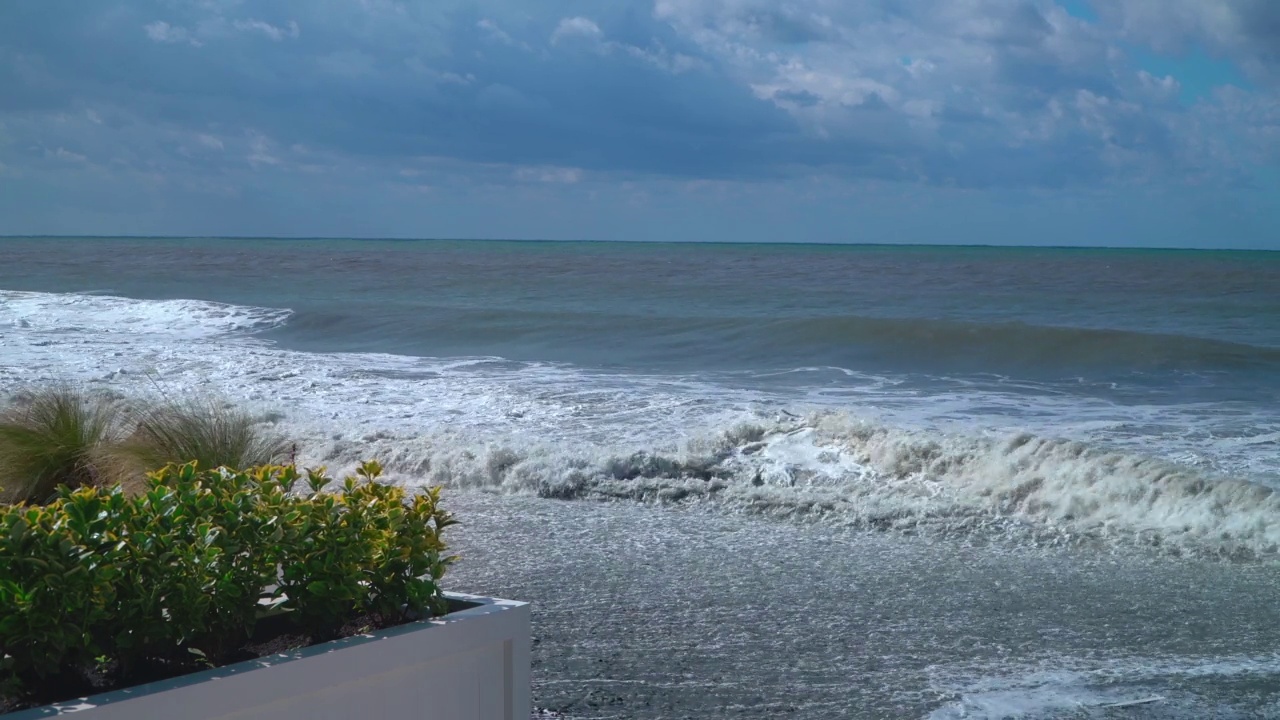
pixel 761 480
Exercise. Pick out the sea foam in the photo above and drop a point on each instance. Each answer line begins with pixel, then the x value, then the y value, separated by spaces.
pixel 960 462
pixel 1071 687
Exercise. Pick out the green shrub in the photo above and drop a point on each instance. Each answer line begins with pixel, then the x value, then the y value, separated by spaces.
pixel 209 433
pixel 57 581
pixel 182 570
pixel 56 436
pixel 362 548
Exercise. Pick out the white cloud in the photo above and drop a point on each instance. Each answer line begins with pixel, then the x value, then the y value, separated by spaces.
pixel 260 152
pixel 586 30
pixel 576 27
pixel 659 57
pixel 494 32
pixel 1159 89
pixel 162 32
pixel 940 87
pixel 209 141
pixel 270 31
pixel 442 77
pixel 64 154
pixel 1169 25
pixel 551 175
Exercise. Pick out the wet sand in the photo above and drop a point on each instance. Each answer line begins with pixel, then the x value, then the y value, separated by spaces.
pixel 652 612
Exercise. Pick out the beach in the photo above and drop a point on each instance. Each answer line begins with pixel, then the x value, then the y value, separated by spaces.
pixel 646 613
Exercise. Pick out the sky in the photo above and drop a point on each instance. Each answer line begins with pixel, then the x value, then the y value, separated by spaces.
pixel 1067 122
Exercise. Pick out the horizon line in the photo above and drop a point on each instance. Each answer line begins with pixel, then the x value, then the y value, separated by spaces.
pixel 584 241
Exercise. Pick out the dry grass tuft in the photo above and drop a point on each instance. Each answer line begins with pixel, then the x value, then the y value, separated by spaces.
pixel 55 436
pixel 208 432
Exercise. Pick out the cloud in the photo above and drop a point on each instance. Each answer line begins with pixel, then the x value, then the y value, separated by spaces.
pixel 560 175
pixel 1246 31
pixel 495 33
pixel 270 31
pixel 260 152
pixel 980 95
pixel 1160 88
pixel 975 92
pixel 575 27
pixel 162 32
pixel 209 141
pixel 64 154
pixel 586 32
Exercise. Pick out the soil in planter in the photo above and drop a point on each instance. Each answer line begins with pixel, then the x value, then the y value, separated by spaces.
pixel 272 636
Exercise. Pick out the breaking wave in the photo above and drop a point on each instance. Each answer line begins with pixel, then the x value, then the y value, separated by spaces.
pixel 63 314
pixel 831 468
pixel 874 457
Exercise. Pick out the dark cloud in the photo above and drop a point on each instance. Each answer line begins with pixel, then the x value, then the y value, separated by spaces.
pixel 1260 21
pixel 1244 31
pixel 362 95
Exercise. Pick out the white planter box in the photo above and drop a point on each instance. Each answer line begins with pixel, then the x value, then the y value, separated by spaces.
pixel 468 665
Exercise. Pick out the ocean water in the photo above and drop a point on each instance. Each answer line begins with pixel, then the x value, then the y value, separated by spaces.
pixel 1107 414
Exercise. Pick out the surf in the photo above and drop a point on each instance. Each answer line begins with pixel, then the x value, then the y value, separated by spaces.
pixel 954 464
pixel 831 468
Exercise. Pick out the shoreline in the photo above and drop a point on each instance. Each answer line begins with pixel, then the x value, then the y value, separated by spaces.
pixel 646 612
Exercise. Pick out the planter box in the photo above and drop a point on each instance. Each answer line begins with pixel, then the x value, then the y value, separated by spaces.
pixel 472 664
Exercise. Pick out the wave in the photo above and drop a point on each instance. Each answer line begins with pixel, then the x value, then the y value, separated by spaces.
pixel 559 432
pixel 835 340
pixel 1021 344
pixel 51 313
pixel 830 468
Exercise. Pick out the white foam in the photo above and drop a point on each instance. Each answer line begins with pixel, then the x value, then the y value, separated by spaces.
pixel 48 315
pixel 947 461
pixel 1084 684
